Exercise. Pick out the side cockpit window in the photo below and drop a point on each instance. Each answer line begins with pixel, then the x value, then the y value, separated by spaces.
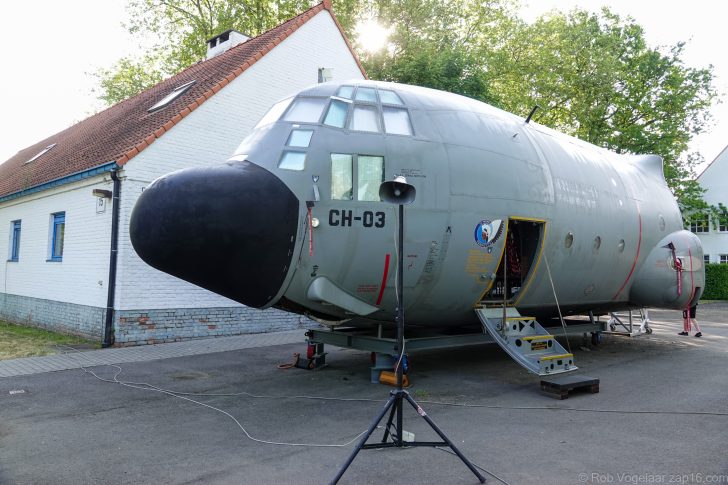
pixel 365 173
pixel 342 176
pixel 370 175
pixel 396 121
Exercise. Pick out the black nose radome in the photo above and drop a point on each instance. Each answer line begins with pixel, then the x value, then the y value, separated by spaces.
pixel 230 229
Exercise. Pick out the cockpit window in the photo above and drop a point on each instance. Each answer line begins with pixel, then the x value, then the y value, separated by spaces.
pixel 370 177
pixel 292 160
pixel 305 110
pixel 345 92
pixel 396 121
pixel 366 94
pixel 300 138
pixel 390 97
pixel 342 185
pixel 365 118
pixel 274 113
pixel 336 115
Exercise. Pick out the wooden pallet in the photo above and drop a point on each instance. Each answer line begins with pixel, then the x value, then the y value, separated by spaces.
pixel 560 387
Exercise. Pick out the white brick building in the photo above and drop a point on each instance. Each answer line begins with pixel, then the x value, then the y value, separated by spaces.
pixel 714 234
pixel 57 210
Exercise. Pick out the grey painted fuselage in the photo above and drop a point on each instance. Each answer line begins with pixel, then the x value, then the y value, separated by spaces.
pixel 586 225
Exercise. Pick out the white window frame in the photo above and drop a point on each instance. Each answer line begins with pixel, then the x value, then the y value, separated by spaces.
pixel 701 226
pixel 169 98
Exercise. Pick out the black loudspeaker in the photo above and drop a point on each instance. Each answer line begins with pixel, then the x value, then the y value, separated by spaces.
pixel 397 191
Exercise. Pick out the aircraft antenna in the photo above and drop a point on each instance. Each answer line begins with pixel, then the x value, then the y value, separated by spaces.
pixel 533 111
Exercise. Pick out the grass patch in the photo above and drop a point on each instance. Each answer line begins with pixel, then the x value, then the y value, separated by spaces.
pixel 17 341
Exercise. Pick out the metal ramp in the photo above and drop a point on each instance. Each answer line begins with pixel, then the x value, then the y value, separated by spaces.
pixel 527 342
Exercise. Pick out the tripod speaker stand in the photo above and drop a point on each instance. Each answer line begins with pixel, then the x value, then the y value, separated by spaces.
pixel 400 192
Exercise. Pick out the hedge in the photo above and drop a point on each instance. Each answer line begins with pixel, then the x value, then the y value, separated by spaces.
pixel 716 282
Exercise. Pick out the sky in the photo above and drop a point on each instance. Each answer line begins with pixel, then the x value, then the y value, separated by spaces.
pixel 50 48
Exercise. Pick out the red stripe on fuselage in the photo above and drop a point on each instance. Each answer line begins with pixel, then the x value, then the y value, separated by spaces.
pixel 384 279
pixel 636 256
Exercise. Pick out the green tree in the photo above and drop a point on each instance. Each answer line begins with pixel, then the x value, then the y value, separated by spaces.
pixel 182 27
pixel 437 43
pixel 593 74
pixel 597 79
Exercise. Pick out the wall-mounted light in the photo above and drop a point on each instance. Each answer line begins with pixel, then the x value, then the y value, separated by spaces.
pixel 101 193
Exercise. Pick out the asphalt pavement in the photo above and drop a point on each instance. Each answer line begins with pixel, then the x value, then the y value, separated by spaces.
pixel 661 415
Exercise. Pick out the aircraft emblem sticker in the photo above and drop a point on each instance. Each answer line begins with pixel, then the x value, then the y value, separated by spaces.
pixel 487 232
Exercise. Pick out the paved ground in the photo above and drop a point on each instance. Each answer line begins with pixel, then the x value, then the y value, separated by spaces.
pixel 68 359
pixel 661 416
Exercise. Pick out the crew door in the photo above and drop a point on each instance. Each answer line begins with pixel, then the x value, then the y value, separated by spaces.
pixel 518 262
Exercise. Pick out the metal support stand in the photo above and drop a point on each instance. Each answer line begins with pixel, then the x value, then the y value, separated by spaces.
pixel 399 395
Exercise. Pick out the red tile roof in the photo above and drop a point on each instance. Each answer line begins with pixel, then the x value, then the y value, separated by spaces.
pixel 120 132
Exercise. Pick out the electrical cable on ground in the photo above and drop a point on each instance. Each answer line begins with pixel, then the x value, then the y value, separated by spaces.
pixel 183 395
pixel 438 403
pixel 145 386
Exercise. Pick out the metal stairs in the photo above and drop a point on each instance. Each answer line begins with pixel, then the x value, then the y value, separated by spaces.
pixel 527 342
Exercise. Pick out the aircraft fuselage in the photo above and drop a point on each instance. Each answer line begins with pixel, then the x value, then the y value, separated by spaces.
pixel 505 211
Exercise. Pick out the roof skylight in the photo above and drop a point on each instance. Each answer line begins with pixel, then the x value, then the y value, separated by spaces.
pixel 176 93
pixel 42 152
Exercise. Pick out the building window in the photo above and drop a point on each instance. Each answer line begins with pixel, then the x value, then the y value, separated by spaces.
pixel 724 259
pixel 167 100
pixel 723 224
pixel 706 258
pixel 369 172
pixel 42 152
pixel 14 241
pixel 58 229
pixel 699 224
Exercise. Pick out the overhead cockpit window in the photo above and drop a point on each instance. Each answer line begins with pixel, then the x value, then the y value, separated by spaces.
pixel 345 92
pixel 396 121
pixel 365 118
pixel 342 186
pixel 292 161
pixel 370 177
pixel 390 97
pixel 300 138
pixel 305 110
pixel 274 113
pixel 366 94
pixel 336 115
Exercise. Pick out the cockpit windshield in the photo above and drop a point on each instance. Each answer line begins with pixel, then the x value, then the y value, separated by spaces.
pixel 357 108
